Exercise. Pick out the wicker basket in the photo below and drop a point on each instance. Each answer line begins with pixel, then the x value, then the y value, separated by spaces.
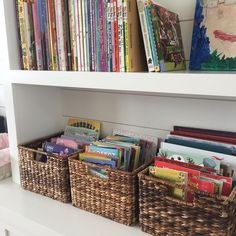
pixel 160 214
pixel 114 197
pixel 51 178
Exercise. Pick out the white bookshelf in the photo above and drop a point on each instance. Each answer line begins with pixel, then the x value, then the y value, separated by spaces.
pixel 39 102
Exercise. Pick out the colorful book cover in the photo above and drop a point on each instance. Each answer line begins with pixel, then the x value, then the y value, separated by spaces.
pixel 174 176
pixel 206 161
pixel 168 39
pixel 83 133
pixel 228 160
pixel 89 124
pixel 56 148
pixel 214 36
pixel 66 142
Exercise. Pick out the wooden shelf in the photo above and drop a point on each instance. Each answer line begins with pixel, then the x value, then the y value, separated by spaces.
pixel 180 84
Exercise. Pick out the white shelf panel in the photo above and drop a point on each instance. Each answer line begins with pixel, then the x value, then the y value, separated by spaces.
pixel 42 215
pixel 201 85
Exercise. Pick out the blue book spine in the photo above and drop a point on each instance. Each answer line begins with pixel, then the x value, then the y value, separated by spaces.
pixel 102 150
pixel 204 146
pixel 101 162
pixel 151 35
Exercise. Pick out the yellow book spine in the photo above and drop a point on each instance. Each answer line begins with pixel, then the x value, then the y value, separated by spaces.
pixel 22 26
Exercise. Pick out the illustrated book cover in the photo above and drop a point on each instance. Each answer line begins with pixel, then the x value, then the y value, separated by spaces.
pixel 162 37
pixel 214 36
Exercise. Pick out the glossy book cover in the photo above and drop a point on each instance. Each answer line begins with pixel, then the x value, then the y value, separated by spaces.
pixel 214 36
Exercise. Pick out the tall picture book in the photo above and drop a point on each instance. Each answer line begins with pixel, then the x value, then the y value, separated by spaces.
pixel 162 37
pixel 214 36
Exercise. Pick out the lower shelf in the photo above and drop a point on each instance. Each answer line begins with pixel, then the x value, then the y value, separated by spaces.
pixel 33 214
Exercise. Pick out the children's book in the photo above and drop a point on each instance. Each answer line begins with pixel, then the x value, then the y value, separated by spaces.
pixel 214 36
pixel 84 123
pixel 228 160
pixel 193 158
pixel 162 37
pixel 59 149
pixel 174 176
pixel 206 131
pixel 208 145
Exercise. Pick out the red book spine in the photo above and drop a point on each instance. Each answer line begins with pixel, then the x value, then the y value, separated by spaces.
pixel 205 137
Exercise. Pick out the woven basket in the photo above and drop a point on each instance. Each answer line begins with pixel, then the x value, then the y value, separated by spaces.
pixel 160 214
pixel 50 179
pixel 115 197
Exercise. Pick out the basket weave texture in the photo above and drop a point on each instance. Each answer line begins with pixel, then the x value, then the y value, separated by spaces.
pixel 163 215
pixel 50 179
pixel 115 198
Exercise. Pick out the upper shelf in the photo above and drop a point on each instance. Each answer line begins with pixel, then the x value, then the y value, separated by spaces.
pixel 180 84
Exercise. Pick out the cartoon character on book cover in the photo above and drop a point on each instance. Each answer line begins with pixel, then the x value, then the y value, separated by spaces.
pixel 167 34
pixel 214 36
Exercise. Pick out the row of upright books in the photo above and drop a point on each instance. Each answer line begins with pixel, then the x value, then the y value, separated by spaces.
pixel 80 35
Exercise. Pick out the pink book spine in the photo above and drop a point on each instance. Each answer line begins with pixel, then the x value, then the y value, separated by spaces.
pixel 39 55
pixel 102 17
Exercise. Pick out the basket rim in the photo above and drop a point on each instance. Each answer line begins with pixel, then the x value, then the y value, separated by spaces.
pixel 231 198
pixel 110 169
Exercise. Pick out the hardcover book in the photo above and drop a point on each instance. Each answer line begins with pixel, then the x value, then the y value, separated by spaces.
pixel 162 37
pixel 214 36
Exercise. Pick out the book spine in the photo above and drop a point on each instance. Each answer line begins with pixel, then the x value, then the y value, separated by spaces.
pixel 83 7
pixel 126 35
pixel 37 36
pixel 23 34
pixel 72 35
pixel 89 17
pixel 32 38
pixel 92 39
pixel 144 27
pixel 46 35
pixel 98 51
pixel 60 35
pixel 121 36
pixel 86 16
pixel 52 34
pixel 81 37
pixel 109 37
pixel 117 65
pixel 151 37
pixel 19 35
pixel 67 35
pixel 77 34
pixel 102 35
pixel 113 36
